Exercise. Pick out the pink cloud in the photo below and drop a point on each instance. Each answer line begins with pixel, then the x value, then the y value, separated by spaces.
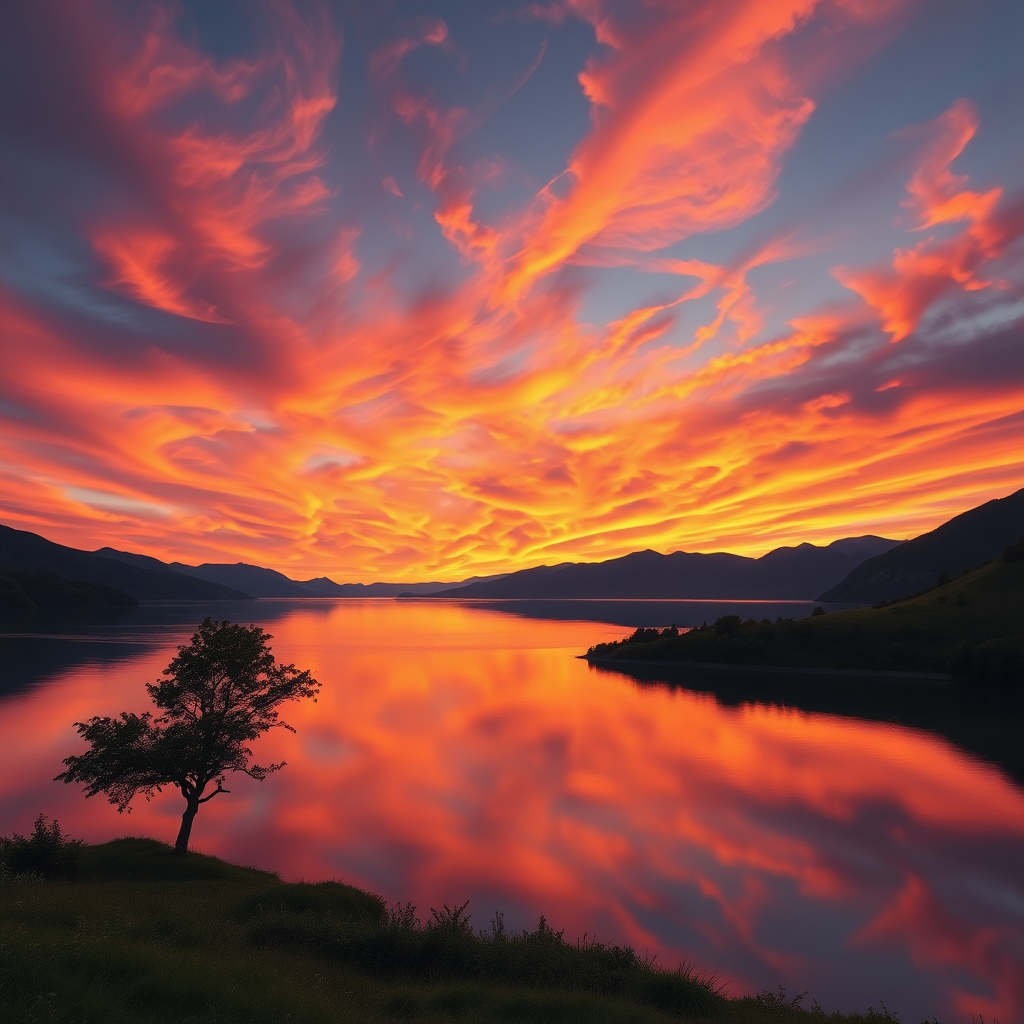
pixel 923 274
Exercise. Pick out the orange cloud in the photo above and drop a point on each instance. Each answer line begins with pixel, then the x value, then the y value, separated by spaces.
pixel 139 261
pixel 221 188
pixel 302 406
pixel 693 110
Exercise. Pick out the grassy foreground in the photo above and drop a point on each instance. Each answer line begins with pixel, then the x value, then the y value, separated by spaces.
pixel 971 627
pixel 142 935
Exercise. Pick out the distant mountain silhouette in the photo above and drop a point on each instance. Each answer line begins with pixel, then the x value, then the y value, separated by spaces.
pixel 964 542
pixel 393 589
pixel 32 553
pixel 857 570
pixel 256 581
pixel 796 573
pixel 252 580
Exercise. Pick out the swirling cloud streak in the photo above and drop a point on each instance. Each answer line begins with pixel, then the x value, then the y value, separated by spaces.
pixel 223 339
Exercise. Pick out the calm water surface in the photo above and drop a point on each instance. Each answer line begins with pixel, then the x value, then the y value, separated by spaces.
pixel 462 752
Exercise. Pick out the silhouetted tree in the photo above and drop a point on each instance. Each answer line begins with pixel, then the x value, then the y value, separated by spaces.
pixel 727 625
pixel 222 691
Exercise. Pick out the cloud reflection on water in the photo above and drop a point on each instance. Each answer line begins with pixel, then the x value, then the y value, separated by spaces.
pixel 458 753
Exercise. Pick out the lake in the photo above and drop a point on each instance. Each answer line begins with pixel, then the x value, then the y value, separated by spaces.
pixel 864 842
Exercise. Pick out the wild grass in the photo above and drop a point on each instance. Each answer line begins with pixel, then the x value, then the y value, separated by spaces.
pixel 142 935
pixel 447 949
pixel 47 852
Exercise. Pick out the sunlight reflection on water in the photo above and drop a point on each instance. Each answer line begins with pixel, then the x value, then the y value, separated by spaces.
pixel 461 752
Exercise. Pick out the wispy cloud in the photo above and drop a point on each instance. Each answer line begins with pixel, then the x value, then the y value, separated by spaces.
pixel 255 324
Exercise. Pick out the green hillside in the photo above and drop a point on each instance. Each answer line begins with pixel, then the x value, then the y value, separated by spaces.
pixel 963 542
pixel 141 935
pixel 970 627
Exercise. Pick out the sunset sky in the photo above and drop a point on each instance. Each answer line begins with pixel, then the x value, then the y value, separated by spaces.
pixel 423 290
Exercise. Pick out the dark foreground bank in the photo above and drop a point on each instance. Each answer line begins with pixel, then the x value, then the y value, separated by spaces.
pixel 970 628
pixel 134 933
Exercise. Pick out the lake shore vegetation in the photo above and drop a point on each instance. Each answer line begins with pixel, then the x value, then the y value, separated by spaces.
pixel 132 932
pixel 971 627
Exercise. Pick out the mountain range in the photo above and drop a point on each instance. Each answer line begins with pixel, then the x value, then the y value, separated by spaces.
pixel 149 579
pixel 856 570
pixel 255 581
pixel 789 573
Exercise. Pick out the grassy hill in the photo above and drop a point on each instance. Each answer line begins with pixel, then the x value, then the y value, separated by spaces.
pixel 142 935
pixel 972 627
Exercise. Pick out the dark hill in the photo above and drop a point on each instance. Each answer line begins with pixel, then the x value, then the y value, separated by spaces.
pixel 324 587
pixel 130 558
pixel 965 541
pixel 31 553
pixel 24 591
pixel 267 583
pixel 253 579
pixel 797 573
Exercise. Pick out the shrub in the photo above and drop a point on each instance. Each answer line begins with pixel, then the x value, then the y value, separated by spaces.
pixel 727 625
pixel 46 852
pixel 999 661
pixel 643 635
pixel 1014 552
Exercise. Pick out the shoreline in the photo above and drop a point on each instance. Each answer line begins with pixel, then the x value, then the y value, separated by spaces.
pixel 880 675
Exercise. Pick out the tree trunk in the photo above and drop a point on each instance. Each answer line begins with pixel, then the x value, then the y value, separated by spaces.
pixel 181 843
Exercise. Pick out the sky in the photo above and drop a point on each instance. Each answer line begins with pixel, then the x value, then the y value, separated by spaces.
pixel 415 291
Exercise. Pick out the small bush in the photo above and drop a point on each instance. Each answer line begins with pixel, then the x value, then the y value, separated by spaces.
pixel 727 625
pixel 452 921
pixel 1014 552
pixel 46 852
pixel 999 662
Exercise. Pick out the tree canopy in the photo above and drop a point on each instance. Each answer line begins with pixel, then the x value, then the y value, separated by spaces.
pixel 219 693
